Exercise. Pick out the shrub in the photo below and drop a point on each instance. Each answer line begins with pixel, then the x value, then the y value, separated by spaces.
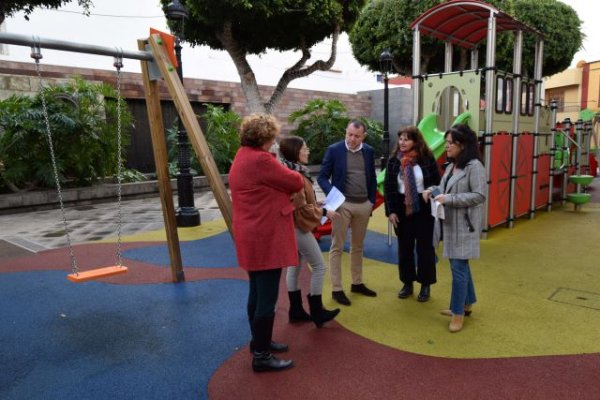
pixel 323 122
pixel 83 122
pixel 221 134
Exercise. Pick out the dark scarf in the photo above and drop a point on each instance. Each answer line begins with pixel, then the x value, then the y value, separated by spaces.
pixel 411 194
pixel 294 166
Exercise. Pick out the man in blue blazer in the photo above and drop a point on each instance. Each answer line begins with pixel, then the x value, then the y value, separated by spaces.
pixel 349 165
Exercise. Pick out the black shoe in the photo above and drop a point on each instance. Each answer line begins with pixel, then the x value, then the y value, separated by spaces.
pixel 406 291
pixel 319 314
pixel 423 294
pixel 273 348
pixel 362 289
pixel 266 361
pixel 341 298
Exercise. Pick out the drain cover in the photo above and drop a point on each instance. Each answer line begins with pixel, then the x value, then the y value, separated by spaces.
pixel 576 297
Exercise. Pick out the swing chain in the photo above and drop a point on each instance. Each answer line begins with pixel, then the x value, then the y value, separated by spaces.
pixel 118 63
pixel 36 54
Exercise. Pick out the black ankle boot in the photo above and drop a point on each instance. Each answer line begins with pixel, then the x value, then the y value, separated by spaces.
pixel 297 313
pixel 318 314
pixel 406 291
pixel 424 293
pixel 266 361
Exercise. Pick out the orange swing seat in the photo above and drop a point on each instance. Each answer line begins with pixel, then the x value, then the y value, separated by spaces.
pixel 97 273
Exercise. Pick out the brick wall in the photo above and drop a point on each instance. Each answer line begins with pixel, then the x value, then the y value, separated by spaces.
pixel 20 77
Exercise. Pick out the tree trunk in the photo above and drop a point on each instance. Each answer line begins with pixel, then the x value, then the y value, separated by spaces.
pixel 254 100
pixel 248 82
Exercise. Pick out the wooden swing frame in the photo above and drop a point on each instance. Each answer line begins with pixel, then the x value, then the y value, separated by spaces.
pixel 155 54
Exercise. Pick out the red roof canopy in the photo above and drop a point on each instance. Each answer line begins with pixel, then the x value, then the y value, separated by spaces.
pixel 464 23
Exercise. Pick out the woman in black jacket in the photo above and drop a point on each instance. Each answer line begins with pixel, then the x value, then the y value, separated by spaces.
pixel 410 170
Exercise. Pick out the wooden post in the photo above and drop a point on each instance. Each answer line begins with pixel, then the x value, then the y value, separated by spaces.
pixel 187 116
pixel 159 147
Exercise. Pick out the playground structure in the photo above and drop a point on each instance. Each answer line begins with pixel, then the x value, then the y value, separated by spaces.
pixel 530 161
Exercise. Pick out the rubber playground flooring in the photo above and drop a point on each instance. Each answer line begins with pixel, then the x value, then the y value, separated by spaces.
pixel 533 334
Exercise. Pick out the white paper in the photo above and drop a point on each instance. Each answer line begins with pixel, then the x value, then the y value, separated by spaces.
pixel 333 201
pixel 437 209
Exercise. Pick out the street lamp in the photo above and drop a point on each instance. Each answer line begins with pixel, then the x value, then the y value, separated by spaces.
pixel 186 215
pixel 385 66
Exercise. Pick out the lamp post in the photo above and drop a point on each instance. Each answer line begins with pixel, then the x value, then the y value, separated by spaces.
pixel 187 215
pixel 385 66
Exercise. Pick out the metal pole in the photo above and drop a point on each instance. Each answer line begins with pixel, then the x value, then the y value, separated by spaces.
pixel 553 107
pixel 187 215
pixel 448 93
pixel 489 112
pixel 416 72
pixel 386 138
pixel 578 137
pixel 25 40
pixel 537 108
pixel 516 96
pixel 565 159
pixel 386 121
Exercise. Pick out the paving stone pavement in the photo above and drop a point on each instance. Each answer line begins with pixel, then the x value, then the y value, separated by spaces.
pixel 40 230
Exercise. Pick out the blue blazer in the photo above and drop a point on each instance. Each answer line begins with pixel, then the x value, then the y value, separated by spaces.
pixel 334 167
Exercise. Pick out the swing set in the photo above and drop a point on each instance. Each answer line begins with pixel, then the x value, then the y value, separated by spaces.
pixel 157 62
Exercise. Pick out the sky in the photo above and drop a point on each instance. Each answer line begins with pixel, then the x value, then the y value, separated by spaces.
pixel 119 23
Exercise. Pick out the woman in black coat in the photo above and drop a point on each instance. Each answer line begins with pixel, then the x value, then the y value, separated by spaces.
pixel 410 170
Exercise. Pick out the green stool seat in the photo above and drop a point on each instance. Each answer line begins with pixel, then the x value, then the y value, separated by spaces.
pixel 579 198
pixel 583 180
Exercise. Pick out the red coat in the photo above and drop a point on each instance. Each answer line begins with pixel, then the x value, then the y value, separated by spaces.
pixel 263 219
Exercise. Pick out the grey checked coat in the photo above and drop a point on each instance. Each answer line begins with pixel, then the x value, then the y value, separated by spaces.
pixel 465 196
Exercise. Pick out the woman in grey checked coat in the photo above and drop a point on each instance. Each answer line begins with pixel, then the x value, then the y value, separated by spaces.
pixel 462 192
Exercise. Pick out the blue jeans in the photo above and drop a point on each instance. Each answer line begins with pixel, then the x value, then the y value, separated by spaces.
pixel 463 290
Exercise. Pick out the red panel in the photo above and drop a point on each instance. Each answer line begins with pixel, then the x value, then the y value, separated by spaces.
pixel 593 166
pixel 499 192
pixel 524 171
pixel 543 181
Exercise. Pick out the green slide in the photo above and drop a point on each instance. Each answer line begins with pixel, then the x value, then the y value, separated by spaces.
pixel 434 137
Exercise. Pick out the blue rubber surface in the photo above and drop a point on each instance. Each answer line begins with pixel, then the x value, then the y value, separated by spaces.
pixel 100 341
pixel 215 251
pixel 218 251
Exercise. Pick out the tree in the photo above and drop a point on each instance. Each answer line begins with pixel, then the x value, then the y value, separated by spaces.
pixel 561 27
pixel 385 24
pixel 10 7
pixel 244 27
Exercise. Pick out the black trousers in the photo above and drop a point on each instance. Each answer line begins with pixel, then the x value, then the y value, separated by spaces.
pixel 416 255
pixel 263 293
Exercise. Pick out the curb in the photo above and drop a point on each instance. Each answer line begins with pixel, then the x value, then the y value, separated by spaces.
pixel 106 192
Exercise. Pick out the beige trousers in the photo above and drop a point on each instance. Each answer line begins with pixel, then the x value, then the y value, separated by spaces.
pixel 356 217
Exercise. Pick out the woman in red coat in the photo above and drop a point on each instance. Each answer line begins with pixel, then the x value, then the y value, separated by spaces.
pixel 263 230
